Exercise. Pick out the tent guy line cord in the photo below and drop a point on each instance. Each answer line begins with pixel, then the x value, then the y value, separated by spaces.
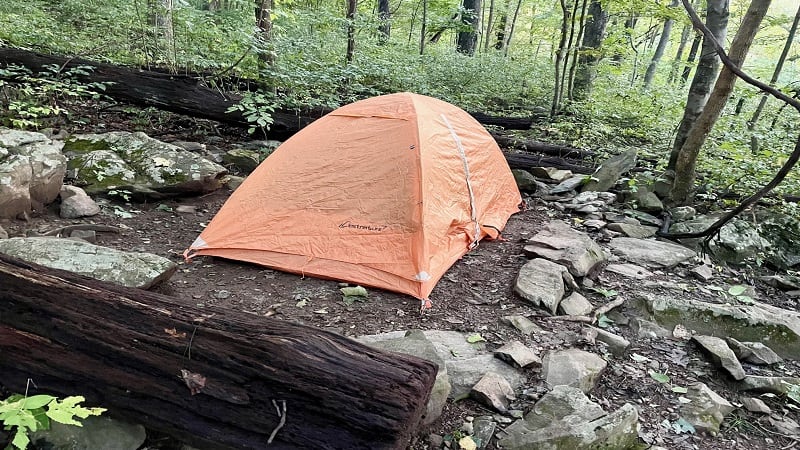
pixel 473 212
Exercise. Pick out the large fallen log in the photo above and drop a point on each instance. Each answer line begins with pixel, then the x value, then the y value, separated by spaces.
pixel 211 377
pixel 561 151
pixel 188 95
pixel 528 160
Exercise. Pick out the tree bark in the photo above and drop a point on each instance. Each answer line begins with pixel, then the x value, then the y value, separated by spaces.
pixel 424 27
pixel 576 50
pixel 489 23
pixel 511 29
pixel 778 68
pixel 351 30
pixel 212 377
pixel 467 40
pixel 716 21
pixel 660 48
pixel 266 51
pixel 556 106
pixel 673 72
pixel 687 69
pixel 385 21
pixel 589 54
pixel 687 156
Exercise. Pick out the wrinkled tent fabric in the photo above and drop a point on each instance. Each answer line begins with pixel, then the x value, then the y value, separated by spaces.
pixel 386 192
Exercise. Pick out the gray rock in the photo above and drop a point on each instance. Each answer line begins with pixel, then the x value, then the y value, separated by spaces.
pixel 541 282
pixel 186 209
pixel 772 385
pixel 551 173
pixel 737 241
pixel 616 344
pixel 85 235
pixel 75 203
pixel 3 233
pixel 682 213
pixel 782 281
pixel 243 159
pixel 135 162
pixel 634 231
pixel 629 270
pixel 756 405
pixel 757 322
pixel 493 391
pixel 576 305
pixel 435 441
pixel 189 146
pixel 781 231
pixel 702 272
pixel 465 372
pixel 32 170
pixel 565 418
pixel 568 185
pixel 721 355
pixel 525 181
pixel 483 430
pixel 523 324
pixel 233 182
pixel 594 224
pixel 649 330
pixel 95 433
pixel 139 270
pixel 607 175
pixel 643 217
pixel 646 200
pixel 516 353
pixel 753 352
pixel 650 253
pixel 572 367
pixel 706 410
pixel 560 243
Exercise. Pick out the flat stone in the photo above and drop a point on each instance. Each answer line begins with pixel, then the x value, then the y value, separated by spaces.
pixel 576 305
pixel 634 231
pixel 643 217
pixel 541 282
pixel 650 253
pixel 594 224
pixel 649 330
pixel 609 172
pixel 568 185
pixel 616 344
pixel 772 385
pixel 523 324
pixel 721 355
pixel 560 243
pixel 186 209
pixel 706 410
pixel 629 270
pixel 737 241
pixel 139 270
pixel 647 201
pixel 526 182
pixel 702 272
pixel 483 430
pixel 682 213
pixel 551 173
pixel 86 235
pixel 754 352
pixel 493 391
pixel 572 367
pixel 756 405
pixel 516 353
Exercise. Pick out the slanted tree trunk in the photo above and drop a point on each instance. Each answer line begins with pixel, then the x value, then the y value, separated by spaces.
pixel 717 21
pixel 266 50
pixel 351 30
pixel 662 46
pixel 589 54
pixel 673 72
pixel 468 39
pixel 385 21
pixel 687 69
pixel 778 68
pixel 212 377
pixel 687 156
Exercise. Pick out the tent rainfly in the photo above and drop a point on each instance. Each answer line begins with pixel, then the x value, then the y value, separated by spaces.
pixel 387 192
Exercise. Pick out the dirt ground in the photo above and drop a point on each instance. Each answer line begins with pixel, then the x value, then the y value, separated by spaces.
pixel 472 297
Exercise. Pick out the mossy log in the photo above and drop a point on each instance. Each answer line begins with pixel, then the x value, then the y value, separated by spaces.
pixel 211 377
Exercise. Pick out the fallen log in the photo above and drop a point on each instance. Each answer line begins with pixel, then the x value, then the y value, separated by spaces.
pixel 527 160
pixel 561 151
pixel 211 377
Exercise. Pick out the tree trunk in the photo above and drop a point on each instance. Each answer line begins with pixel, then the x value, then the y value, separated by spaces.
pixel 568 48
pixel 488 24
pixel 467 40
pixel 212 377
pixel 662 46
pixel 424 27
pixel 589 55
pixel 266 50
pixel 687 69
pixel 351 30
pixel 511 30
pixel 556 106
pixel 385 20
pixel 716 21
pixel 160 21
pixel 778 68
pixel 576 51
pixel 687 156
pixel 673 72
pixel 630 25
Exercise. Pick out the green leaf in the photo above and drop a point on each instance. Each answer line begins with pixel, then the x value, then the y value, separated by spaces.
pixel 603 321
pixel 660 377
pixel 737 290
pixel 639 358
pixel 745 299
pixel 61 416
pixel 37 401
pixel 473 338
pixel 21 440
pixel 681 426
pixel 679 389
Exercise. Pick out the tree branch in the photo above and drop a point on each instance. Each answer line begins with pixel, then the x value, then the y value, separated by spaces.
pixel 784 170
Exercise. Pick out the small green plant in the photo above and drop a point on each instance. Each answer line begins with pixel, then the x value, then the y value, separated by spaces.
pixel 257 109
pixel 122 194
pixel 22 415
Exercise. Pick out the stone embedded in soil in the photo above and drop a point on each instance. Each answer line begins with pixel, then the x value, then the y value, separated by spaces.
pixel 516 353
pixel 650 253
pixel 702 272
pixel 706 410
pixel 754 352
pixel 616 344
pixel 649 330
pixel 541 282
pixel 3 233
pixel 576 305
pixel 526 182
pixel 772 385
pixel 551 173
pixel 633 231
pixel 493 391
pixel 565 418
pixel 756 405
pixel 573 249
pixel 572 367
pixel 523 324
pixel 483 430
pixel 721 355
pixel 629 270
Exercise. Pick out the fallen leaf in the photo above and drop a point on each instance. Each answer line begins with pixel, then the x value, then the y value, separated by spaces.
pixel 639 358
pixel 466 443
pixel 473 338
pixel 737 290
pixel 660 377
pixel 301 303
pixel 172 332
pixel 679 389
pixel 681 426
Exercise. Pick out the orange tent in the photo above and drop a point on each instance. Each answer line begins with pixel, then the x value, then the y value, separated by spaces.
pixel 387 192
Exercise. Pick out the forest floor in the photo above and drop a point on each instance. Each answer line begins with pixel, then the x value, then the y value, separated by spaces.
pixel 473 296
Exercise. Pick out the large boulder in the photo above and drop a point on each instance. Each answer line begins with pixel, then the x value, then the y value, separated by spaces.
pixel 139 164
pixel 32 170
pixel 650 253
pixel 139 270
pixel 610 171
pixel 737 241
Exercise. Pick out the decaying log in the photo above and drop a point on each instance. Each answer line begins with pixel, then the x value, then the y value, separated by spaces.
pixel 211 377
pixel 528 160
pixel 544 148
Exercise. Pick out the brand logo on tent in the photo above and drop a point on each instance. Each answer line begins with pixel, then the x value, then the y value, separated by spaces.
pixel 355 226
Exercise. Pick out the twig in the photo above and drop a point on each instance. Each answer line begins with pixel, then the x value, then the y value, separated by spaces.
pixel 608 307
pixel 189 345
pixel 282 415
